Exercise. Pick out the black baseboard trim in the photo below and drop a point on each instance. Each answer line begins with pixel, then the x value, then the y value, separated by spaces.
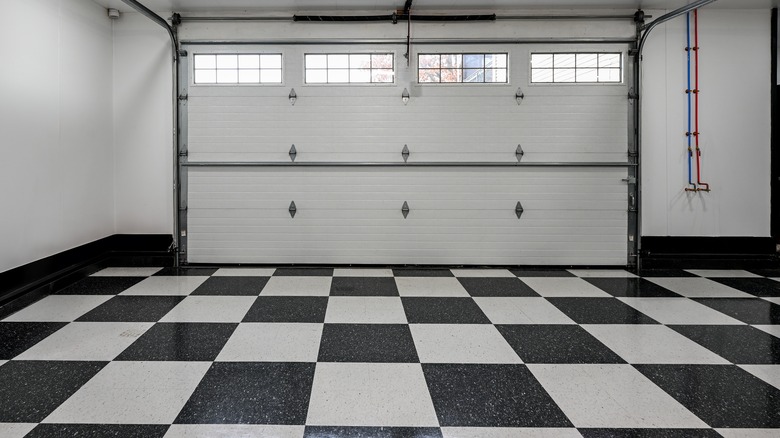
pixel 664 252
pixel 28 283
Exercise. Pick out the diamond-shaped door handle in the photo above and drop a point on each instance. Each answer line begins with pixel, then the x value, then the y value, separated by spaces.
pixel 405 153
pixel 293 153
pixel 293 209
pixel 519 209
pixel 405 209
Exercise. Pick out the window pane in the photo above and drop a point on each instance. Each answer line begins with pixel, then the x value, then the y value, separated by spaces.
pixel 609 75
pixel 205 61
pixel 609 60
pixel 316 76
pixel 249 76
pixel 451 61
pixel 474 75
pixel 272 76
pixel 316 61
pixel 338 61
pixel 564 75
pixel 499 75
pixel 271 61
pixel 542 75
pixel 451 75
pixel 361 75
pixel 249 61
pixel 541 61
pixel 429 75
pixel 205 76
pixel 382 76
pixel 359 61
pixel 495 60
pixel 587 75
pixel 338 75
pixel 382 61
pixel 227 61
pixel 564 60
pixel 429 61
pixel 474 61
pixel 589 60
pixel 227 76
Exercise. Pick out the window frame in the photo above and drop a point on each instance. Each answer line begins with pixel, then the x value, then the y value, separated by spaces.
pixel 282 70
pixel 392 53
pixel 622 68
pixel 462 83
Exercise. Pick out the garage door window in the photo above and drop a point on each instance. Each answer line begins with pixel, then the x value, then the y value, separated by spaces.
pixel 462 67
pixel 243 68
pixel 349 68
pixel 576 68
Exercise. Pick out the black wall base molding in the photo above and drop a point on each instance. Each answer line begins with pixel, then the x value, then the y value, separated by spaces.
pixel 28 283
pixel 664 252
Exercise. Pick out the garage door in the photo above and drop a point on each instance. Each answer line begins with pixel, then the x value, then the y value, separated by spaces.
pixel 467 155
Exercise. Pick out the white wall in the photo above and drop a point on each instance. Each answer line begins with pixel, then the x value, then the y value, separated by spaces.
pixel 735 85
pixel 56 183
pixel 142 126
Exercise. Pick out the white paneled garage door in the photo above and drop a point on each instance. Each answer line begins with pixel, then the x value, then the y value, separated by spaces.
pixel 349 183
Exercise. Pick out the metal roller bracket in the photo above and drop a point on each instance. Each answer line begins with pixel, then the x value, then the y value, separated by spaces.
pixel 293 153
pixel 405 209
pixel 405 153
pixel 292 209
pixel 519 209
pixel 519 153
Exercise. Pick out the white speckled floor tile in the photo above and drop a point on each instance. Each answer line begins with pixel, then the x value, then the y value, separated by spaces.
pixel 297 286
pixel 508 432
pixel 59 308
pixel 749 433
pixel 126 272
pixel 612 396
pixel 87 341
pixel 365 310
pixel 233 431
pixel 775 300
pixel 768 373
pixel 722 273
pixel 563 287
pixel 210 309
pixel 430 287
pixel 461 343
pixel 273 342
pixel 679 311
pixel 362 272
pixel 165 285
pixel 481 273
pixel 370 394
pixel 133 393
pixel 652 344
pixel 244 272
pixel 693 287
pixel 602 273
pixel 773 330
pixel 16 430
pixel 521 310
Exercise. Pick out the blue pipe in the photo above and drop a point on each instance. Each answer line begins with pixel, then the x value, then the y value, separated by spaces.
pixel 690 105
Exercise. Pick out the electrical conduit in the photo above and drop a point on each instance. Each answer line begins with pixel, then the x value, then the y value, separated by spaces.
pixel 691 185
pixel 704 187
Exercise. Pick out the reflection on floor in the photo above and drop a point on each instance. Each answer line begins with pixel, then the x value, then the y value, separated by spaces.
pixel 287 352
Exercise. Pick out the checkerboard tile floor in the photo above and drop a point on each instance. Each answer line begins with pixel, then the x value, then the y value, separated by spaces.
pixel 297 352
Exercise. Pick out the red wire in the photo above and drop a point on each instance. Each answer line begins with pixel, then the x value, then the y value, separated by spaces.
pixel 696 99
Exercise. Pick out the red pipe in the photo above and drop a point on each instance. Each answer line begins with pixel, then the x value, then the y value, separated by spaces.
pixel 706 186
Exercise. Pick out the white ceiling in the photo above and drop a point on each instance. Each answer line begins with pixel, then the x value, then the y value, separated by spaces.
pixel 265 6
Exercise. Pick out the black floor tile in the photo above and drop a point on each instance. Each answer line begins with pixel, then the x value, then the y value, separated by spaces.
pixel 98 431
pixel 723 396
pixel 490 396
pixel 31 390
pixel 649 273
pixel 371 432
pixel 251 393
pixel 132 309
pixel 760 287
pixel 303 272
pixel 101 286
pixel 648 433
pixel 186 272
pixel 739 344
pixel 600 311
pixel 497 287
pixel 180 342
pixel 367 343
pixel 363 287
pixel 541 272
pixel 748 310
pixel 433 310
pixel 287 309
pixel 556 344
pixel 769 272
pixel 251 286
pixel 631 287
pixel 16 337
pixel 421 272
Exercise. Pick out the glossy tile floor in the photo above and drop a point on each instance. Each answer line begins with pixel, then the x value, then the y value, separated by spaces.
pixel 142 352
